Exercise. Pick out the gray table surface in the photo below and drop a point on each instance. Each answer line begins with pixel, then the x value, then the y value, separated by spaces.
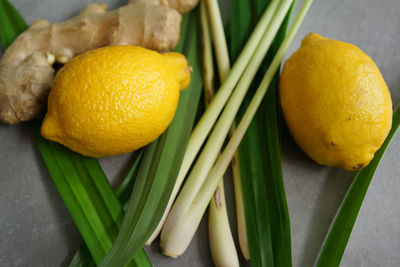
pixel 37 230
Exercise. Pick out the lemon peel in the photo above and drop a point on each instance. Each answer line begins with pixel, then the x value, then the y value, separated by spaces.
pixel 335 102
pixel 114 99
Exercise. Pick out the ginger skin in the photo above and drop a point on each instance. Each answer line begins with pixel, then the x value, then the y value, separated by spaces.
pixel 26 68
pixel 183 6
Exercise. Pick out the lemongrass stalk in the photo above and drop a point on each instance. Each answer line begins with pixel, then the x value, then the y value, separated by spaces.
pixel 178 231
pixel 215 141
pixel 208 64
pixel 222 246
pixel 190 220
pixel 222 56
pixel 223 161
pixel 211 114
pixel 240 213
pixel 220 46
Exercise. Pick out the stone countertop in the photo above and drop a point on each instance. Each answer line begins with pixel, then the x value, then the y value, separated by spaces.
pixel 37 230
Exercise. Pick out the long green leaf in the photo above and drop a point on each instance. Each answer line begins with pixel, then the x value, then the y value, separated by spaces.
pixel 268 222
pixel 339 234
pixel 11 23
pixel 123 192
pixel 79 180
pixel 88 196
pixel 160 165
pixel 83 257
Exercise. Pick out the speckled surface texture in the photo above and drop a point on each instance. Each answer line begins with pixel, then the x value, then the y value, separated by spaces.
pixel 36 229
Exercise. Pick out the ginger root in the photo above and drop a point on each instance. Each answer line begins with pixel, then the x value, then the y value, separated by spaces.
pixel 183 6
pixel 26 68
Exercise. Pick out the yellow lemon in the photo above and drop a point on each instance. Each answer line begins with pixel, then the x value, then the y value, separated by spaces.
pixel 114 99
pixel 335 102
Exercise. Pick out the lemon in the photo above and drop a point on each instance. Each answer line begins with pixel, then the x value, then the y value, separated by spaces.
pixel 335 102
pixel 114 99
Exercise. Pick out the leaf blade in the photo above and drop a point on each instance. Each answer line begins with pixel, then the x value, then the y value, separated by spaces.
pixel 90 214
pixel 83 257
pixel 340 231
pixel 12 23
pixel 161 162
pixel 262 174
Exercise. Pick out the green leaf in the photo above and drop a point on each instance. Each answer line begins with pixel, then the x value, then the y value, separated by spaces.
pixel 339 234
pixel 268 221
pixel 79 180
pixel 11 23
pixel 88 196
pixel 240 27
pixel 124 191
pixel 161 163
pixel 82 257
